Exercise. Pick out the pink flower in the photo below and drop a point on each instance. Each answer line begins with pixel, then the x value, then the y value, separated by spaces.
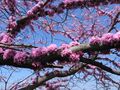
pixel 116 36
pixel 36 8
pixel 52 48
pixel 107 38
pixel 64 46
pixel 36 52
pixel 66 52
pixel 100 12
pixel 74 57
pixel 36 65
pixel 95 40
pixel 80 53
pixel 30 13
pixel 8 53
pixel 74 43
pixel 1 50
pixel 11 18
pixel 91 66
pixel 12 25
pixel 44 50
pixel 70 1
pixel 67 1
pixel 6 38
pixel 20 57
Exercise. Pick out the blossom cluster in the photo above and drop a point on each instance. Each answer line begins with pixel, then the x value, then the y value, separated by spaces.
pixel 70 1
pixel 106 39
pixel 38 10
pixel 41 51
pixel 72 4
pixel 17 56
pixel 20 57
pixel 5 38
pixel 12 23
pixel 8 54
pixel 32 12
pixel 64 50
pixel 74 56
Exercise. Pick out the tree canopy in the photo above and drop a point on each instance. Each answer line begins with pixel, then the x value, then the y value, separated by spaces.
pixel 59 42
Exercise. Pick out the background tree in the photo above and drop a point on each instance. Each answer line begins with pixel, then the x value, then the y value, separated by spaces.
pixel 56 43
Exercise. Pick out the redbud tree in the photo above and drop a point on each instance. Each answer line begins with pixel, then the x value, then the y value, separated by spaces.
pixel 59 44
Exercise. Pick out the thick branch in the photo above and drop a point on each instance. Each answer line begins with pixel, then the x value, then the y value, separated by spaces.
pixel 100 65
pixel 87 47
pixel 51 75
pixel 72 71
pixel 57 9
pixel 55 56
pixel 90 3
pixel 114 22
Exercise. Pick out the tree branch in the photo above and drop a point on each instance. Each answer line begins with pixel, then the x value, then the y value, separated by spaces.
pixel 51 75
pixel 69 72
pixel 114 22
pixel 62 6
pixel 100 65
pixel 56 56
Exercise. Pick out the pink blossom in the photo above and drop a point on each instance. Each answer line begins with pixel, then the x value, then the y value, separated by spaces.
pixel 36 52
pixel 80 53
pixel 35 9
pixel 1 50
pixel 92 67
pixel 12 25
pixel 44 50
pixel 52 48
pixel 66 52
pixel 107 38
pixel 95 40
pixel 118 64
pixel 116 36
pixel 11 18
pixel 74 43
pixel 67 1
pixel 74 57
pixel 20 56
pixel 70 1
pixel 8 53
pixel 30 13
pixel 36 65
pixel 64 46
pixel 6 38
